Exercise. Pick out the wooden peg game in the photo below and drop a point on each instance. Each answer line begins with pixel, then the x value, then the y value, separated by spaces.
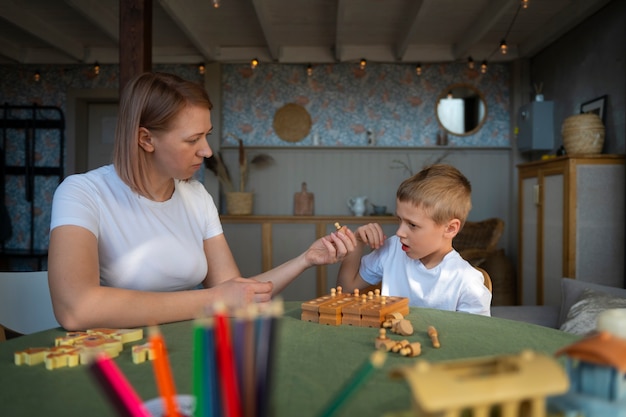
pixel 366 310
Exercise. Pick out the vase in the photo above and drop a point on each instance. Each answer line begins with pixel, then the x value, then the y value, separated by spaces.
pixel 239 203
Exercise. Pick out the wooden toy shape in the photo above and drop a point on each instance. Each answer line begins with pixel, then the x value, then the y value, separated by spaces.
pixel 411 350
pixel 141 353
pixel 79 348
pixel 523 382
pixel 434 336
pixel 311 309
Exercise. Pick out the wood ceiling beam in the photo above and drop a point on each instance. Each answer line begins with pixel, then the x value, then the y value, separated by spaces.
pixel 192 25
pixel 487 19
pixel 410 27
pixel 98 15
pixel 342 7
pixel 136 32
pixel 10 11
pixel 264 16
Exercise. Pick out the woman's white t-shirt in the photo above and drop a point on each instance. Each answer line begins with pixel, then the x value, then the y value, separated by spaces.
pixel 142 244
pixel 453 285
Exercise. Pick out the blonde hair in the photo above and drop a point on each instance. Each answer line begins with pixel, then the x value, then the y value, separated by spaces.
pixel 441 190
pixel 152 101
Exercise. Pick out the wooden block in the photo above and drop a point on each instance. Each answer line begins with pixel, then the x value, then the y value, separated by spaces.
pixel 141 353
pixel 351 314
pixel 123 335
pixel 31 356
pixel 331 312
pixel 374 312
pixel 62 356
pixel 311 309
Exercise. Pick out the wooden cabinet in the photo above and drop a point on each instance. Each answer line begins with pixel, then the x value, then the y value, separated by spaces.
pixel 571 224
pixel 260 243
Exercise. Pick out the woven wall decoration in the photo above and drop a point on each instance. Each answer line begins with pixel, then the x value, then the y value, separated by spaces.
pixel 292 122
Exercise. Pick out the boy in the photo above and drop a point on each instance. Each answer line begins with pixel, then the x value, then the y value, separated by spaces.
pixel 419 262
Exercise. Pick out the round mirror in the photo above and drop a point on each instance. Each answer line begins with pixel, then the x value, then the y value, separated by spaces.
pixel 461 109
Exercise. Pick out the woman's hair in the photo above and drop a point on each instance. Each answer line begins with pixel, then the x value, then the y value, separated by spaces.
pixel 152 101
pixel 441 190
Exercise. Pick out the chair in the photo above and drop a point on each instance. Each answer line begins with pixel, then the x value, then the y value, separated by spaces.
pixel 25 303
pixel 478 240
pixel 486 279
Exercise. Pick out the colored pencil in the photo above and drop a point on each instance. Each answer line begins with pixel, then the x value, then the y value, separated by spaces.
pixel 231 401
pixel 266 334
pixel 204 374
pixel 375 361
pixel 163 373
pixel 117 388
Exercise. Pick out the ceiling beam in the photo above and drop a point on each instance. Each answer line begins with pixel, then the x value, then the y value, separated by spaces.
pixel 192 25
pixel 41 29
pixel 410 27
pixel 487 19
pixel 98 15
pixel 11 50
pixel 264 17
pixel 342 6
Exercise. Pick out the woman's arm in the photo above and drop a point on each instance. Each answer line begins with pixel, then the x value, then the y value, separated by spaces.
pixel 80 302
pixel 326 250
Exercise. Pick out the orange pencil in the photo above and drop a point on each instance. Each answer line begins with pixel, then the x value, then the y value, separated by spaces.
pixel 163 373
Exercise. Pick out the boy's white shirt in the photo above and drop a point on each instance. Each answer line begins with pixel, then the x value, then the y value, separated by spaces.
pixel 453 285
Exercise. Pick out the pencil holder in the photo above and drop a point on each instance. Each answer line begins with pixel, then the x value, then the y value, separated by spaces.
pixel 186 406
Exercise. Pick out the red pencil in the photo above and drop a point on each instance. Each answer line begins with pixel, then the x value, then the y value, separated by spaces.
pixel 226 365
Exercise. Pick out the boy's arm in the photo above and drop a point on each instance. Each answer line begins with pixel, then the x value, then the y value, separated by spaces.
pixel 348 277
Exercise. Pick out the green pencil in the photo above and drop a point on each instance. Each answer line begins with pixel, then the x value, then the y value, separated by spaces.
pixel 375 361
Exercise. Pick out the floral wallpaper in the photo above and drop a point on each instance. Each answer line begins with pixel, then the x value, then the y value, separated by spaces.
pixel 391 101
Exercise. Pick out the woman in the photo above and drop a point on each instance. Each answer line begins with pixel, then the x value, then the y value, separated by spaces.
pixel 131 241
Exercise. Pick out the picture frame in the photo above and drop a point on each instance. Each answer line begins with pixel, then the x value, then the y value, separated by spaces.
pixel 597 106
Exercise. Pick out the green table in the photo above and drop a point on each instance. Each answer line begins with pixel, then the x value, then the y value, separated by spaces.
pixel 312 363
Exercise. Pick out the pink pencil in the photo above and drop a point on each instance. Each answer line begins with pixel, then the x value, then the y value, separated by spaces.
pixel 117 387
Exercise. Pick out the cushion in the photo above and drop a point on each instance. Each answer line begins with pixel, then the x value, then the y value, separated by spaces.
pixel 571 289
pixel 582 316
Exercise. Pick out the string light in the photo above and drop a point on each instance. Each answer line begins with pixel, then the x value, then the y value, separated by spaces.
pixel 418 69
pixel 201 69
pixel 470 63
pixel 96 68
pixel 503 47
pixel 37 77
pixel 309 70
pixel 525 4
pixel 254 63
pixel 216 3
pixel 483 67
pixel 363 63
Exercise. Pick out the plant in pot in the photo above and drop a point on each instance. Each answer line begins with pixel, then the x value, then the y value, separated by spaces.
pixel 238 200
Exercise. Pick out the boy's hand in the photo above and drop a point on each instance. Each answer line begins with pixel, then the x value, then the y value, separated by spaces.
pixel 371 234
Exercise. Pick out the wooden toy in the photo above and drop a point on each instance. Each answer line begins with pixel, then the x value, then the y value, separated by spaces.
pixel 81 347
pixel 355 309
pixel 434 336
pixel 466 387
pixel 411 350
pixel 596 366
pixel 383 342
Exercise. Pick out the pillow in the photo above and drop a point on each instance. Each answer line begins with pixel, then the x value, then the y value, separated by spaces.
pixel 582 316
pixel 571 289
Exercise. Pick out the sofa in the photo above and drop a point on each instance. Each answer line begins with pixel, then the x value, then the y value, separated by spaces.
pixel 581 302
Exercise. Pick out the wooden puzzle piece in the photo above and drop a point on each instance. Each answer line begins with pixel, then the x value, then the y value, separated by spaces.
pixel 80 347
pixel 434 337
pixel 141 353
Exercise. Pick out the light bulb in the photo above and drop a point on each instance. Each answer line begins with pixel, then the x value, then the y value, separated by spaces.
pixel 309 70
pixel 201 69
pixel 470 63
pixel 483 67
pixel 363 63
pixel 216 3
pixel 254 63
pixel 418 69
pixel 503 47
pixel 525 4
pixel 96 68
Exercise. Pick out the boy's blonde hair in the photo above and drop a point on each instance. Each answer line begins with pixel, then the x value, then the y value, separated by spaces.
pixel 153 101
pixel 441 190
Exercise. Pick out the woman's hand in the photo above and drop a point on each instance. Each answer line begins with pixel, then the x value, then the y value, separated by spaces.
pixel 238 292
pixel 332 248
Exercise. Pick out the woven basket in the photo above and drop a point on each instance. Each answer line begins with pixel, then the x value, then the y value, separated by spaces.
pixel 238 203
pixel 583 134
